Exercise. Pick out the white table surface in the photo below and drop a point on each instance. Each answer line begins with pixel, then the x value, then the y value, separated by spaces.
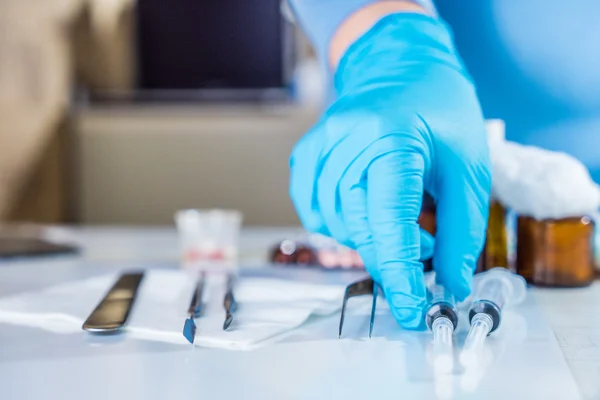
pixel 36 366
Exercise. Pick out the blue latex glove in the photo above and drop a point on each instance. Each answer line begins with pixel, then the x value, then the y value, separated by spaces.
pixel 406 120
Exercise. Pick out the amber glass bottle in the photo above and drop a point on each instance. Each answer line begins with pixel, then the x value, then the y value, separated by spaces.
pixel 495 253
pixel 427 222
pixel 556 252
pixel 427 216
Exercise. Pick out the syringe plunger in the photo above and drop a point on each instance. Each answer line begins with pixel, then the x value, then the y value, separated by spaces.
pixel 442 305
pixel 442 319
pixel 442 345
pixel 481 326
pixel 493 290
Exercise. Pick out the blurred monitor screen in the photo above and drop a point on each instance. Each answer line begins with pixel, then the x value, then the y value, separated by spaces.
pixel 211 44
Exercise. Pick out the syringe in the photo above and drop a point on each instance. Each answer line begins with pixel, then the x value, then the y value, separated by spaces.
pixel 493 290
pixel 442 318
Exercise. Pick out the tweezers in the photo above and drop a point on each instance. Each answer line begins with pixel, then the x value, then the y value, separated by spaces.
pixel 229 302
pixel 360 288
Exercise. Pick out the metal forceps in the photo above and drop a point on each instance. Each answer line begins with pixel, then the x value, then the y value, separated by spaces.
pixel 360 288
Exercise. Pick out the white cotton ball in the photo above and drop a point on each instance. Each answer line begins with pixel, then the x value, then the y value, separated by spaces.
pixel 496 130
pixel 496 135
pixel 542 184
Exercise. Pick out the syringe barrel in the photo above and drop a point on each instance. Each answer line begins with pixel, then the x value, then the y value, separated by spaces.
pixel 440 295
pixel 442 304
pixel 499 286
pixel 488 308
pixel 490 296
pixel 494 290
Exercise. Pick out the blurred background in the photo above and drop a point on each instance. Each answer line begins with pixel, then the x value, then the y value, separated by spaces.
pixel 124 111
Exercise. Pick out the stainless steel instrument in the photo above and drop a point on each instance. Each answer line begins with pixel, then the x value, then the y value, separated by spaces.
pixel 112 312
pixel 195 309
pixel 360 288
pixel 229 302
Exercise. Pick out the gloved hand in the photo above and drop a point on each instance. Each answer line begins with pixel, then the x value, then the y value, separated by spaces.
pixel 406 120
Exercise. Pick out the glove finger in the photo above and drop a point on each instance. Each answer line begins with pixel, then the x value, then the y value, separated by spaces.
pixel 462 211
pixel 304 166
pixel 350 226
pixel 394 193
pixel 351 141
pixel 354 205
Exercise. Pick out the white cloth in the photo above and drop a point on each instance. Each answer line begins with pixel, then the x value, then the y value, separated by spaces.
pixel 266 308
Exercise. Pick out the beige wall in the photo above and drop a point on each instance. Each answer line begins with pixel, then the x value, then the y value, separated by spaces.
pixel 139 165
